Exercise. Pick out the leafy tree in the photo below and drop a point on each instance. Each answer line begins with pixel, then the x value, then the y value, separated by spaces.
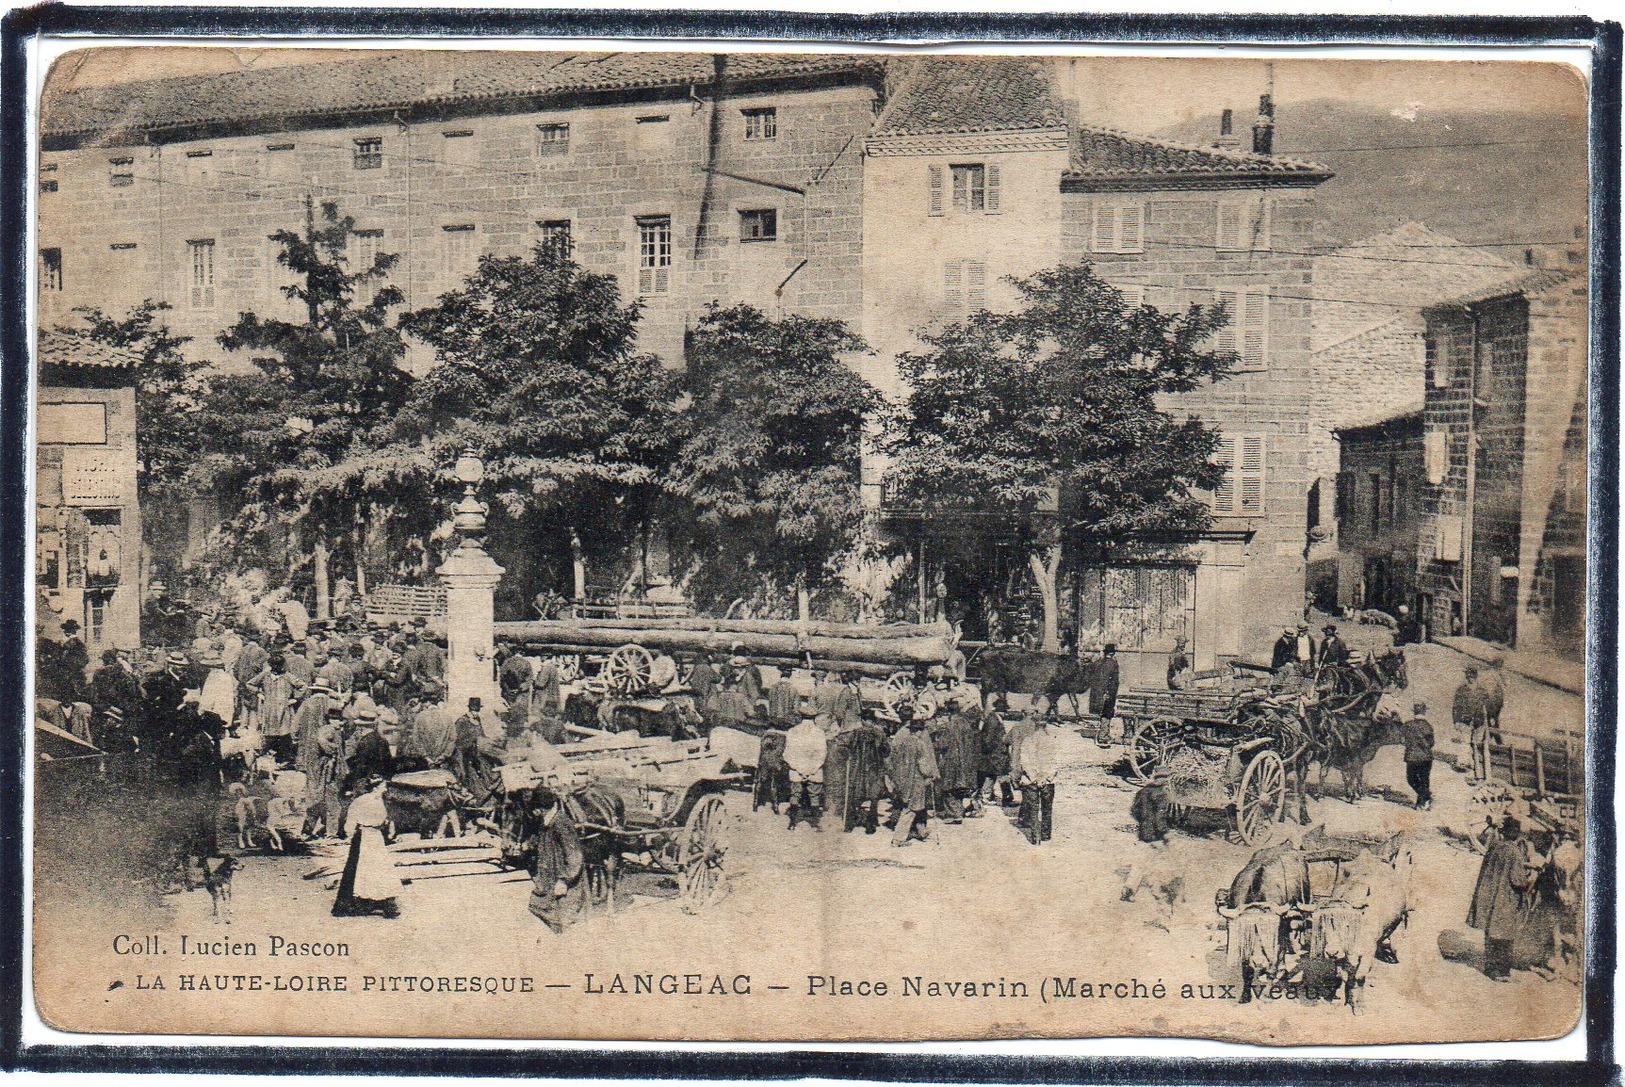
pixel 538 373
pixel 1054 415
pixel 321 387
pixel 167 388
pixel 770 473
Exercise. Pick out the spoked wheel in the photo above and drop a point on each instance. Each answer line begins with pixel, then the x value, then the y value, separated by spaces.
pixel 628 669
pixel 569 666
pixel 702 880
pixel 1151 746
pixel 1261 798
pixel 899 688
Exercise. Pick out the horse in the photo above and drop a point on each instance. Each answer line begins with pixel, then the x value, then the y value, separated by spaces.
pixel 1346 729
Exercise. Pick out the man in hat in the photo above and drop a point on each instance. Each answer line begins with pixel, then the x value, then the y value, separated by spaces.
pixel 1179 665
pixel 702 678
pixel 953 736
pixel 994 742
pixel 1419 755
pixel 750 676
pixel 805 749
pixel 1470 710
pixel 1039 760
pixel 727 706
pixel 1022 728
pixel 114 685
pixel 912 768
pixel 246 670
pixel 783 703
pixel 1408 628
pixel 164 693
pixel 1285 652
pixel 465 758
pixel 1333 650
pixel 113 735
pixel 73 659
pixel 849 703
pixel 308 720
pixel 218 691
pixel 1306 650
pixel 370 756
pixel 1504 878
pixel 1104 679
pixel 277 697
pixel 329 770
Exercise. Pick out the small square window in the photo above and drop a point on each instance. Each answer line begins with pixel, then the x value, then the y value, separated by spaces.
pixel 47 184
pixel 553 138
pixel 369 153
pixel 761 124
pixel 759 225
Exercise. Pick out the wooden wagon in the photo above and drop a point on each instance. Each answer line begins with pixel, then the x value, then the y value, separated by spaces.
pixel 1216 750
pixel 666 813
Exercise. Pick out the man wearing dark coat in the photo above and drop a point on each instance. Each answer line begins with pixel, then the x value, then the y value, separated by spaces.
pixel 1498 899
pixel 370 756
pixel 558 894
pixel 114 685
pixel 912 768
pixel 1285 653
pixel 954 741
pixel 1103 682
pixel 995 752
pixel 1333 650
pixel 702 678
pixel 466 762
pixel 72 659
pixel 855 774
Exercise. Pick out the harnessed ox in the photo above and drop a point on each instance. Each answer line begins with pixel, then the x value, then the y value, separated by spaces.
pixel 1354 927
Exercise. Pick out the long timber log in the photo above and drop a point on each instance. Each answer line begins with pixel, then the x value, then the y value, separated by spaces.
pixel 577 636
pixel 789 627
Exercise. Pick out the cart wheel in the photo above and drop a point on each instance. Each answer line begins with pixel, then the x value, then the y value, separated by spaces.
pixel 569 666
pixel 1151 746
pixel 1261 798
pixel 702 880
pixel 628 669
pixel 899 687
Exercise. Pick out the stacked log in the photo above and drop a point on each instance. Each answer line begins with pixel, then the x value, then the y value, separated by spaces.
pixel 871 649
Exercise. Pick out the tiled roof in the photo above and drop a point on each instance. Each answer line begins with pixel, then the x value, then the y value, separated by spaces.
pixel 972 94
pixel 402 80
pixel 1403 413
pixel 1110 154
pixel 1533 283
pixel 60 347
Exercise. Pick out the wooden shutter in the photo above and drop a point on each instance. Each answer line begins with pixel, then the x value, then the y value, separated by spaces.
pixel 1133 296
pixel 935 207
pixel 1250 475
pixel 953 287
pixel 1130 227
pixel 1254 321
pixel 1225 339
pixel 1224 495
pixel 975 285
pixel 1229 232
pixel 1434 456
pixel 1263 222
pixel 1104 235
pixel 991 199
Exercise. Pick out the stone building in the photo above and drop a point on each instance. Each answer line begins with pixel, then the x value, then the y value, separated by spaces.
pixel 888 192
pixel 978 173
pixel 689 176
pixel 1367 337
pixel 87 542
pixel 1379 508
pixel 1502 548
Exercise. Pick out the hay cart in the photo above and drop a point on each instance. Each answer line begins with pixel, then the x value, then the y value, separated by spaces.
pixel 1218 751
pixel 671 820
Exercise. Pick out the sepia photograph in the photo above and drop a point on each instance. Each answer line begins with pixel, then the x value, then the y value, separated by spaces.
pixel 809 544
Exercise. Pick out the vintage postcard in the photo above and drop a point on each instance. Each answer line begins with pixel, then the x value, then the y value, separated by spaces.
pixel 809 545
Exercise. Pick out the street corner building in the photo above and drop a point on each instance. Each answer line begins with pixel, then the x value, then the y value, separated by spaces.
pixel 87 547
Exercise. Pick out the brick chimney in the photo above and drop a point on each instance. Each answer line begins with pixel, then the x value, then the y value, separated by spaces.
pixel 1228 140
pixel 1264 127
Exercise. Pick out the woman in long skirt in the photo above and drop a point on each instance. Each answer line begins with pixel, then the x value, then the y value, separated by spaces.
pixel 369 884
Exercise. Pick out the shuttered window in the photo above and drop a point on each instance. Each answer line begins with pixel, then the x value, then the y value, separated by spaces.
pixel 553 138
pixel 964 287
pixel 654 254
pixel 1133 295
pixel 1241 492
pixel 363 249
pixel 1243 224
pixel 1247 330
pixel 966 188
pixel 1118 227
pixel 1435 455
pixel 201 252
pixel 462 248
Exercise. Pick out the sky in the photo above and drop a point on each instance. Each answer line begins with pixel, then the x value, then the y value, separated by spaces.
pixel 1138 94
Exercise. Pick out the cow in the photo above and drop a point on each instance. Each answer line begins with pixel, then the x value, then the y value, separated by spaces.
pixel 1007 669
pixel 1355 926
pixel 1258 908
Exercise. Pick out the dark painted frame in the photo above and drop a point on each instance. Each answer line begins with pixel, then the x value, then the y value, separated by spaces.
pixel 1604 42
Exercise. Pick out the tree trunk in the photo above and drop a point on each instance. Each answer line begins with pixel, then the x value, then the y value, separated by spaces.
pixel 803 601
pixel 1046 566
pixel 578 567
pixel 323 599
pixel 359 545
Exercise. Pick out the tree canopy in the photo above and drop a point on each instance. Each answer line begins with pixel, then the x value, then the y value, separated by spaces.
pixel 1056 414
pixel 770 470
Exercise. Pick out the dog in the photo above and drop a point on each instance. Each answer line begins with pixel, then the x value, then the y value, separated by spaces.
pixel 218 882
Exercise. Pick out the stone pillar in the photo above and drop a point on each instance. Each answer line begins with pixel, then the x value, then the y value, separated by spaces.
pixel 470 576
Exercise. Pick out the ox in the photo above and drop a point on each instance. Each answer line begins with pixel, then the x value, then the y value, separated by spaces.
pixel 1354 927
pixel 1258 909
